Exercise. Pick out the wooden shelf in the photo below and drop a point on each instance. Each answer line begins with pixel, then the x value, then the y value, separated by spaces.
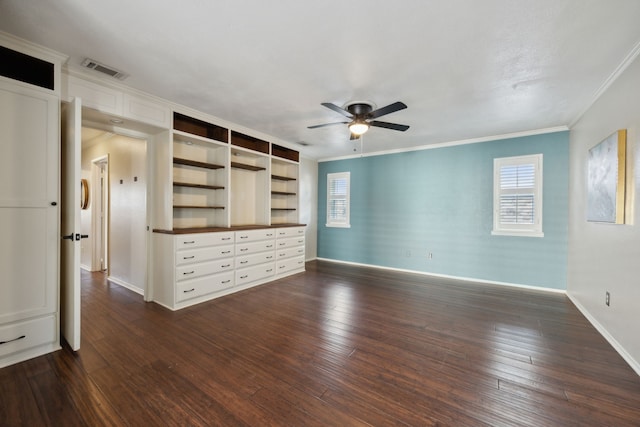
pixel 283 209
pixel 283 193
pixel 196 207
pixel 282 178
pixel 247 167
pixel 187 162
pixel 207 187
pixel 194 126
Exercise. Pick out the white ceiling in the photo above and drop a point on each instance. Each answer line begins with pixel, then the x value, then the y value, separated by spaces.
pixel 465 68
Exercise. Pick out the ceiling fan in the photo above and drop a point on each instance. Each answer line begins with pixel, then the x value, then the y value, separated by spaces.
pixel 363 115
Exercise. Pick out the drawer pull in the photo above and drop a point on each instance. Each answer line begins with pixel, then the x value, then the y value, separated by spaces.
pixel 300 262
pixel 226 252
pixel 189 290
pixel 300 241
pixel 243 262
pixel 282 244
pixel 269 270
pixel 189 257
pixel 269 234
pixel 283 254
pixel 226 238
pixel 282 266
pixel 226 266
pixel 225 281
pixel 269 246
pixel 186 273
pixel 15 339
pixel 300 251
pixel 270 256
pixel 244 277
pixel 189 242
pixel 244 249
pixel 282 233
pixel 244 237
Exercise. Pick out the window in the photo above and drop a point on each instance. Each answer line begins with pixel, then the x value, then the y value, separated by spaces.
pixel 338 199
pixel 517 196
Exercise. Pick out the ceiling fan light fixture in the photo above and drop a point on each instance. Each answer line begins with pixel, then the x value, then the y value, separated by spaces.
pixel 358 127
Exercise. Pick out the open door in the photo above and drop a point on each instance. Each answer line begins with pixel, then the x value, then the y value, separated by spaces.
pixel 70 223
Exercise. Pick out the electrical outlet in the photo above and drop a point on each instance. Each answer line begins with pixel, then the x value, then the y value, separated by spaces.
pixel 430 255
pixel 607 298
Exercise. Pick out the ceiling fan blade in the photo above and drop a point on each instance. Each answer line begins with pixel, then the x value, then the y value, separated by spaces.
pixel 387 125
pixel 337 109
pixel 391 108
pixel 326 124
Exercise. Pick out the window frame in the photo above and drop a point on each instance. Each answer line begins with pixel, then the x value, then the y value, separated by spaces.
pixel 344 222
pixel 522 230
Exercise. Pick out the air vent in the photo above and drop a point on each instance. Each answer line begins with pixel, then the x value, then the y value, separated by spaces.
pixel 104 69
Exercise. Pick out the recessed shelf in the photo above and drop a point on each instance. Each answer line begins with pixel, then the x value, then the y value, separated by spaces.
pixel 282 178
pixel 187 162
pixel 197 207
pixel 247 167
pixel 208 187
pixel 283 193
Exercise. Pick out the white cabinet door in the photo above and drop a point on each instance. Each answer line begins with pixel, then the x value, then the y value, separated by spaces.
pixel 29 123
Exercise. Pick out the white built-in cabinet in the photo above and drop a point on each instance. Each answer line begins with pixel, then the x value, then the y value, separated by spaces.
pixel 29 198
pixel 227 213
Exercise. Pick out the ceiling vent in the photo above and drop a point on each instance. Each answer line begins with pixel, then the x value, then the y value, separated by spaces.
pixel 104 69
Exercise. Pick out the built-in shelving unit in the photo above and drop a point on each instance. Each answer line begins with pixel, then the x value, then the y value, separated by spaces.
pixel 227 210
pixel 200 176
pixel 284 185
pixel 222 178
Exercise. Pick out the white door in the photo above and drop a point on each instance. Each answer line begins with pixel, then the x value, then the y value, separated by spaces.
pixel 70 223
pixel 29 236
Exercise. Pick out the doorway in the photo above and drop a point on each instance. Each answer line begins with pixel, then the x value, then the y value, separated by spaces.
pixel 116 167
pixel 100 214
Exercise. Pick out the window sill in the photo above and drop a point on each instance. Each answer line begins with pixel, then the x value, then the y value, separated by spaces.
pixel 517 233
pixel 338 225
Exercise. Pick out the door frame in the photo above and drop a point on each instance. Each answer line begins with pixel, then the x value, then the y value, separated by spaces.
pixel 100 225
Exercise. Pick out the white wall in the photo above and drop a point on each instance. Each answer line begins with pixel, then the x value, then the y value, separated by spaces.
pixel 605 257
pixel 309 204
pixel 127 250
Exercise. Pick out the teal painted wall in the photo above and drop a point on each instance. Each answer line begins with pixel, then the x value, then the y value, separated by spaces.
pixel 405 205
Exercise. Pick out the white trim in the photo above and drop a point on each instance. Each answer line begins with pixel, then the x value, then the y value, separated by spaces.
pixel 126 285
pixel 447 276
pixel 635 365
pixel 453 143
pixel 628 60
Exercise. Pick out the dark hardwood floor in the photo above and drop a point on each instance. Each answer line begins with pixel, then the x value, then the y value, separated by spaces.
pixel 336 346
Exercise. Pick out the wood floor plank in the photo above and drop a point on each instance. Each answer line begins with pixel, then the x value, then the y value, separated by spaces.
pixel 337 345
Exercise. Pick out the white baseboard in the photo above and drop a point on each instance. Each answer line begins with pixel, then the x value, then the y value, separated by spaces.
pixel 446 276
pixel 635 365
pixel 126 285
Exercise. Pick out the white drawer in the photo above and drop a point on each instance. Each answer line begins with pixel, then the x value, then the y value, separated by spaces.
pixel 192 271
pixel 190 256
pixel 198 240
pixel 204 285
pixel 28 334
pixel 290 252
pixel 290 232
pixel 255 235
pixel 255 259
pixel 253 247
pixel 252 274
pixel 290 264
pixel 290 242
